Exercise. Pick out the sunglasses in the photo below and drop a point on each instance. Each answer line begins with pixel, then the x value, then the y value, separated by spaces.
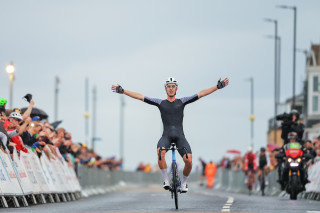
pixel 171 86
pixel 16 119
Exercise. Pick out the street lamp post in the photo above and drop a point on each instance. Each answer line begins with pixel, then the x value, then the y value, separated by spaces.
pixel 275 74
pixel 86 108
pixel 294 48
pixel 94 116
pixel 10 70
pixel 279 68
pixel 121 144
pixel 252 118
pixel 56 91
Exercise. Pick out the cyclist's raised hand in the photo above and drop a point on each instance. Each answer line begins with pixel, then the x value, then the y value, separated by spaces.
pixel 120 90
pixel 223 83
pixel 117 89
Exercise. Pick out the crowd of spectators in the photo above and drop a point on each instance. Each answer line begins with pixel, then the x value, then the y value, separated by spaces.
pixel 19 130
pixel 147 168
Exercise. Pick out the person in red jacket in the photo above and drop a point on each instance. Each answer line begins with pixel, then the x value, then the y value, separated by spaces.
pixel 250 163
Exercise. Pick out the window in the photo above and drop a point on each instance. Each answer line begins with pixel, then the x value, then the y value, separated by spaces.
pixel 315 103
pixel 315 83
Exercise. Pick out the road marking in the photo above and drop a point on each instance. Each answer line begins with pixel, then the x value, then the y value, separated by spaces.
pixel 313 211
pixel 227 205
pixel 230 200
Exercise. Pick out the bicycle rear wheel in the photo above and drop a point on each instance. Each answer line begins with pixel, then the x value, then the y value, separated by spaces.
pixel 250 182
pixel 175 184
pixel 263 183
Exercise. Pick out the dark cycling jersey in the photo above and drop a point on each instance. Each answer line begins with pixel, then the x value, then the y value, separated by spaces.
pixel 262 161
pixel 172 119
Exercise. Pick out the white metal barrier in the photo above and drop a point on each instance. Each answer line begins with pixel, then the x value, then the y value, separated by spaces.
pixel 313 188
pixel 233 181
pixel 29 179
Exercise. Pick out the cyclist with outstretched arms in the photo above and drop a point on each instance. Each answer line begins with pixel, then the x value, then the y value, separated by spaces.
pixel 171 110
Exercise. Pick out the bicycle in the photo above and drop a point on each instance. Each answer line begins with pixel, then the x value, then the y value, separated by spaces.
pixel 175 183
pixel 250 181
pixel 262 182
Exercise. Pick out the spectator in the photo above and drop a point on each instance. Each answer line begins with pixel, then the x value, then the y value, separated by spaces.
pixel 30 136
pixel 36 119
pixel 316 142
pixel 141 167
pixel 202 175
pixel 210 172
pixel 308 148
pixel 148 168
pixel 317 158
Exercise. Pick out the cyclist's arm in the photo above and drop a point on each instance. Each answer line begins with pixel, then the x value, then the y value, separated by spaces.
pixel 254 163
pixel 208 91
pixel 134 95
pixel 220 85
pixel 258 159
pixel 119 89
pixel 268 159
pixel 246 163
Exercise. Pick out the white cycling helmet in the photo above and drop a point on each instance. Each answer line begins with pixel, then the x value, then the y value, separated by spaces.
pixel 15 115
pixel 171 80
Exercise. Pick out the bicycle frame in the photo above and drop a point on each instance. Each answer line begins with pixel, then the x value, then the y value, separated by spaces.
pixel 175 183
pixel 173 148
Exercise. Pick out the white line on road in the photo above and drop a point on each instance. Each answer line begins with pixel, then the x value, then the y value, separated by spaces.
pixel 226 207
pixel 230 200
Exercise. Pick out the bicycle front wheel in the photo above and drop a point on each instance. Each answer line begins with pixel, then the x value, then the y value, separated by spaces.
pixel 175 184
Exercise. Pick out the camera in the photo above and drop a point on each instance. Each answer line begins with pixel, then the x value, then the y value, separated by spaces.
pixel 285 117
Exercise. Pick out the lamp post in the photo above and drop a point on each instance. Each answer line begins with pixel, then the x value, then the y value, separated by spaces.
pixel 294 48
pixel 121 144
pixel 56 91
pixel 86 113
pixel 252 118
pixel 10 70
pixel 275 74
pixel 278 66
pixel 94 116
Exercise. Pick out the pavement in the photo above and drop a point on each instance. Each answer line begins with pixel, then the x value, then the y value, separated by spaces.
pixel 154 199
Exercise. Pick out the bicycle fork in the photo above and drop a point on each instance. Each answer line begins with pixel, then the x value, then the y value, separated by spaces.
pixel 174 164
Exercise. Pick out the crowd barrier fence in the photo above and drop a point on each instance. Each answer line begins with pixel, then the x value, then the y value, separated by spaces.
pixel 29 180
pixel 94 181
pixel 233 181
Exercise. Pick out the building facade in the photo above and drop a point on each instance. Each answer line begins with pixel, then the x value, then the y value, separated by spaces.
pixel 307 102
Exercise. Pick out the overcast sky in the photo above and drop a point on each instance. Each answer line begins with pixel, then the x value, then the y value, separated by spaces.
pixel 139 44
